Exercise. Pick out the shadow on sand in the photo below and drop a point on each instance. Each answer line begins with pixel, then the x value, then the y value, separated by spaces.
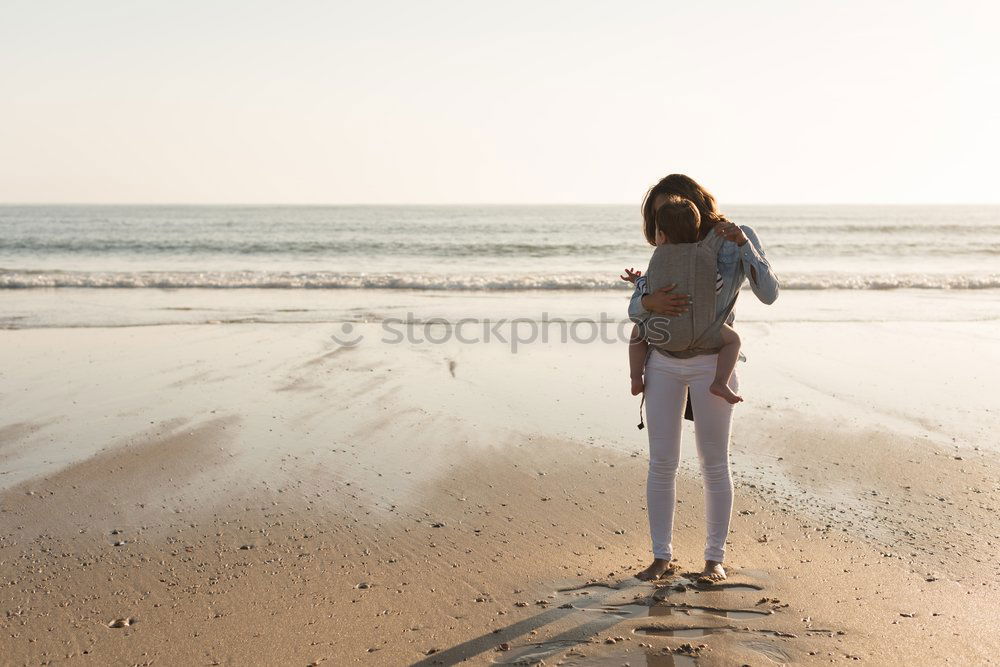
pixel 577 635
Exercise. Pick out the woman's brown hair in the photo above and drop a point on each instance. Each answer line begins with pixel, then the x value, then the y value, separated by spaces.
pixel 679 185
pixel 679 220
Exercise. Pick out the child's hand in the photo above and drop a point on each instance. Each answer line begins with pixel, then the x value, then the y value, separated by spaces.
pixel 631 275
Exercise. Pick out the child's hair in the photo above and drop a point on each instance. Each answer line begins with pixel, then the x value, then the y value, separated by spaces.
pixel 679 220
pixel 679 185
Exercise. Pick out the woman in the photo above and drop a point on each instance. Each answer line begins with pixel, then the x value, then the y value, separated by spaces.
pixel 668 379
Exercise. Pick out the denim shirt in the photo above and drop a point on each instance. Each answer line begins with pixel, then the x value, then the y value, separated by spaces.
pixel 735 264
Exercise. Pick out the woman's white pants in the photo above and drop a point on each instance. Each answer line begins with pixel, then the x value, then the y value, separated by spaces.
pixel 666 382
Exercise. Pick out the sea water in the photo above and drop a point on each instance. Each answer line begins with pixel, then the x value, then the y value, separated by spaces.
pixel 497 247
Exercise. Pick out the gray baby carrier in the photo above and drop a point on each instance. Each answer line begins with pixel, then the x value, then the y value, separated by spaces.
pixel 692 267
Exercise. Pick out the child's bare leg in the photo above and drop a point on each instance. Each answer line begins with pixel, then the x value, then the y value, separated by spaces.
pixel 728 356
pixel 637 348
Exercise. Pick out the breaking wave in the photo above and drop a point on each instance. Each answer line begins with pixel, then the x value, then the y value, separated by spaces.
pixel 24 279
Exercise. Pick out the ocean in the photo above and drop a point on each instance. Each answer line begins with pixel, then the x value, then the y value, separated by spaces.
pixel 497 247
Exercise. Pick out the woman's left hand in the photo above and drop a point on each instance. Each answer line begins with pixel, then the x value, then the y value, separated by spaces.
pixel 731 231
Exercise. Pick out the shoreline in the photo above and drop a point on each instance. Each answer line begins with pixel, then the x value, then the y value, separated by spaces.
pixel 65 307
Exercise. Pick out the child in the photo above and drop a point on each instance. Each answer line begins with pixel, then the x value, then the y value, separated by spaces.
pixel 678 221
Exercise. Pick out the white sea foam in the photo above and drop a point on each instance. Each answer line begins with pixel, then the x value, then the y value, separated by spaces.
pixel 12 279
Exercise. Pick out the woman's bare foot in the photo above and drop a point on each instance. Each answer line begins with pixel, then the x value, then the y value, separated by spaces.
pixel 657 570
pixel 722 390
pixel 638 386
pixel 712 573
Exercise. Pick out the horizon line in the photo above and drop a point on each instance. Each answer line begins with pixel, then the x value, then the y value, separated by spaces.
pixel 442 204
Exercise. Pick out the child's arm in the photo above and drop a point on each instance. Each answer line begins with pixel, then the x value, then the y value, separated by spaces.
pixel 637 347
pixel 636 312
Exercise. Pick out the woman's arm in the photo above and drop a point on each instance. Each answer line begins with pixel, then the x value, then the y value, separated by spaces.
pixel 754 265
pixel 757 269
pixel 662 302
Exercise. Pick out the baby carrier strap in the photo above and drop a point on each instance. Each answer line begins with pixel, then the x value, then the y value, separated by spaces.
pixel 706 262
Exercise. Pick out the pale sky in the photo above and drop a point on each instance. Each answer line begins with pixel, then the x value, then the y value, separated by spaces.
pixel 536 101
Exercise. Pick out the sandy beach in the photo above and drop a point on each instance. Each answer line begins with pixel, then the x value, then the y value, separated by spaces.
pixel 315 323
pixel 256 493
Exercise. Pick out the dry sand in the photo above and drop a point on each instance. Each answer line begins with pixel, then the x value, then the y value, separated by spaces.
pixel 257 494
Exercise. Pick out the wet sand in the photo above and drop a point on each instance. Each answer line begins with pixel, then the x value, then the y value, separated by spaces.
pixel 257 494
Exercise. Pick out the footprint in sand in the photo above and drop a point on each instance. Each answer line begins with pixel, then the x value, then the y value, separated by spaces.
pixel 122 622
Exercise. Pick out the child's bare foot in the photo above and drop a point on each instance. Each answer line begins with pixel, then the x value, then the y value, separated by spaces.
pixel 722 390
pixel 712 573
pixel 638 386
pixel 657 570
